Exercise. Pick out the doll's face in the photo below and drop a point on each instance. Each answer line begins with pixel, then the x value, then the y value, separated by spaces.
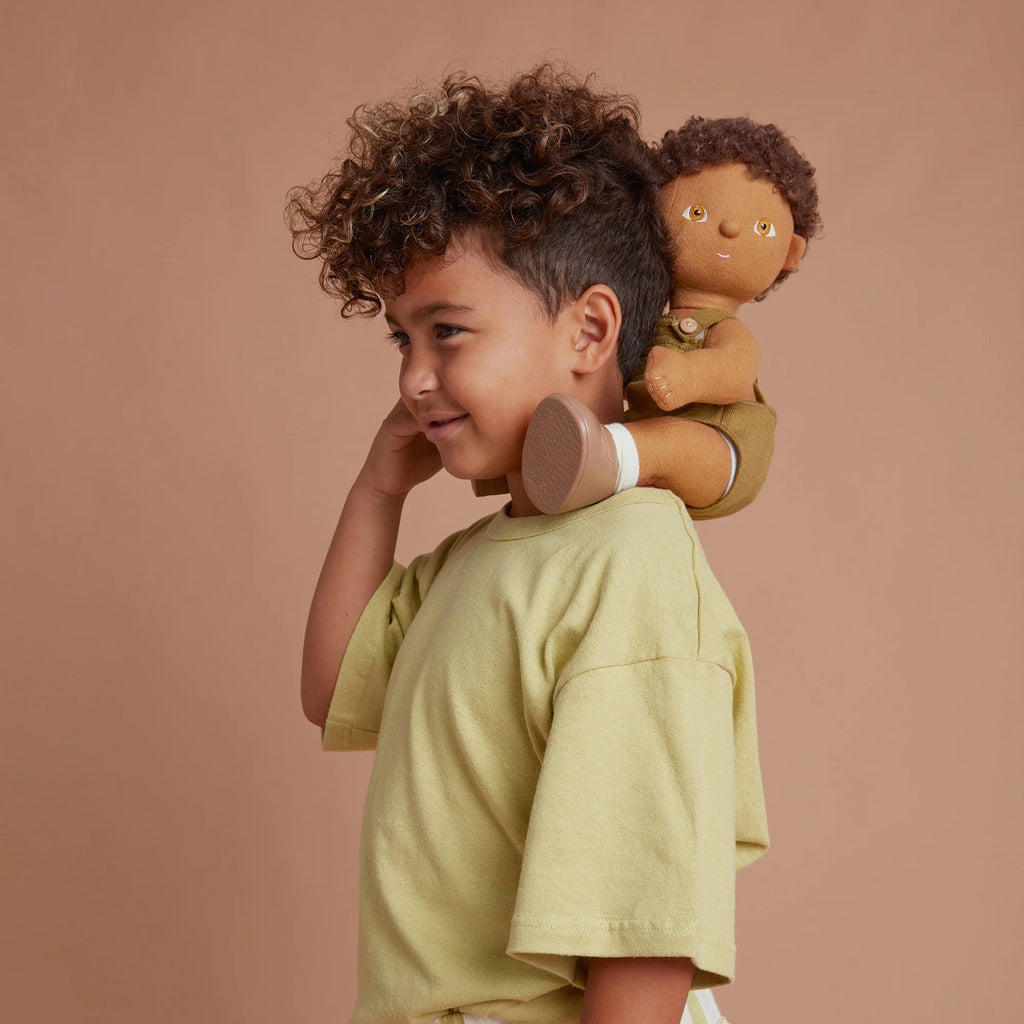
pixel 732 233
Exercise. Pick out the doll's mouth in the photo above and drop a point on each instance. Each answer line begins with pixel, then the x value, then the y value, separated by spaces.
pixel 724 255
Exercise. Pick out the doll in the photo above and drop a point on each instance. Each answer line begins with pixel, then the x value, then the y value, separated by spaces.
pixel 739 204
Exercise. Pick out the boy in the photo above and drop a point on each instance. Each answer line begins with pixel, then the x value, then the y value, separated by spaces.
pixel 566 774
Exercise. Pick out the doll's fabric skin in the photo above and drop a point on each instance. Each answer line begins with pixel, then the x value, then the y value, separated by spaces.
pixel 749 425
pixel 732 234
pixel 563 713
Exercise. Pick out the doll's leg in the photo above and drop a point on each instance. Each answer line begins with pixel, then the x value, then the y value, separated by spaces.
pixel 571 460
pixel 688 458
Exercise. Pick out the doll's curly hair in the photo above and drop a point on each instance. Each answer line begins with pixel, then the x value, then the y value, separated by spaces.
pixel 766 151
pixel 551 172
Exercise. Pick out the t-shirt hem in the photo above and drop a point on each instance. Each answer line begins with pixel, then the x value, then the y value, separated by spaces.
pixel 714 960
pixel 339 736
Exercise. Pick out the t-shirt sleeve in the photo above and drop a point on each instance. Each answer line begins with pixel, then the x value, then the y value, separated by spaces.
pixel 354 716
pixel 631 847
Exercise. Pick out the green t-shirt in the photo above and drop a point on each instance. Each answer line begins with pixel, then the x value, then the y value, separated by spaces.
pixel 563 713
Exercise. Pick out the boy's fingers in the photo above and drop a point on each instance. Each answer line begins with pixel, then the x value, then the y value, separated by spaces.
pixel 402 422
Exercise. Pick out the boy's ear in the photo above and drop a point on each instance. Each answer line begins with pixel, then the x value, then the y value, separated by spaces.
pixel 596 323
pixel 797 248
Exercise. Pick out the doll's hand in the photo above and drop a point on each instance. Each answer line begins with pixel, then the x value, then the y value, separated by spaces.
pixel 400 456
pixel 666 378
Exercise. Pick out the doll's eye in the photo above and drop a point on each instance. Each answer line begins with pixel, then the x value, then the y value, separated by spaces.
pixel 695 212
pixel 766 228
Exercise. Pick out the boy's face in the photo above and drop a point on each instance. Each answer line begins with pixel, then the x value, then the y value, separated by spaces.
pixel 732 233
pixel 478 355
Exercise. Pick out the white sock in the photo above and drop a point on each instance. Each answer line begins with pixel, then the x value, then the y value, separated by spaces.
pixel 629 457
pixel 735 462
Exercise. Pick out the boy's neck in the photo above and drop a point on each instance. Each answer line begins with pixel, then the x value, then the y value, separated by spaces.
pixel 520 505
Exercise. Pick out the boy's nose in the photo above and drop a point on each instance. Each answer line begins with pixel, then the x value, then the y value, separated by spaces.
pixel 418 376
pixel 729 228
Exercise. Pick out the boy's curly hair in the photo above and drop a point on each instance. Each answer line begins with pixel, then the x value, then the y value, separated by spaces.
pixel 553 173
pixel 766 151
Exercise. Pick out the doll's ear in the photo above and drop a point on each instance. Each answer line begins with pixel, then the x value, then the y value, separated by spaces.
pixel 797 248
pixel 596 322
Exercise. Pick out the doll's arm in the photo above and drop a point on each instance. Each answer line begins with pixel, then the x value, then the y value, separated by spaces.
pixel 722 372
pixel 362 552
pixel 636 990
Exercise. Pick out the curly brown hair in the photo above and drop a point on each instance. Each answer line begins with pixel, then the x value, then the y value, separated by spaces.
pixel 552 172
pixel 765 150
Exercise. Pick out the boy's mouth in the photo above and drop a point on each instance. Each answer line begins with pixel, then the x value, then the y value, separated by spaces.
pixel 440 428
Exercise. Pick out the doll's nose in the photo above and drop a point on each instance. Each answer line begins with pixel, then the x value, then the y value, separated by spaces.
pixel 729 228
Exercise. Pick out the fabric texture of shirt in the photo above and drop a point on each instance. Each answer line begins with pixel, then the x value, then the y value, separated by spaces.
pixel 563 713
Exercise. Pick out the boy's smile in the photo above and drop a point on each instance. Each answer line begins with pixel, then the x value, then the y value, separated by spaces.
pixel 478 355
pixel 440 427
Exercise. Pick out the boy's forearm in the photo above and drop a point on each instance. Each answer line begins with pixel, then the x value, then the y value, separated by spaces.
pixel 636 990
pixel 360 556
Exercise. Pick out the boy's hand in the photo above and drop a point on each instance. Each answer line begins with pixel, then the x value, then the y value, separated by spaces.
pixel 400 457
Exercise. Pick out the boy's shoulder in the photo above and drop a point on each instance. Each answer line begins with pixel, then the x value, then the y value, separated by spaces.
pixel 638 504
pixel 644 508
pixel 624 536
pixel 639 531
pixel 639 519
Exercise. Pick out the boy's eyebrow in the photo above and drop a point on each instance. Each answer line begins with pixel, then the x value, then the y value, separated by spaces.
pixel 431 309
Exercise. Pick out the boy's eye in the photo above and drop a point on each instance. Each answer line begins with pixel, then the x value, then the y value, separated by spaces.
pixel 398 338
pixel 695 212
pixel 447 330
pixel 766 228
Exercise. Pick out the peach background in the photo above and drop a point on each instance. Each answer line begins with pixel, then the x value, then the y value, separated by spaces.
pixel 182 413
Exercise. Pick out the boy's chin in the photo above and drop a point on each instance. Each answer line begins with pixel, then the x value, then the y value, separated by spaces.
pixel 479 474
pixel 465 474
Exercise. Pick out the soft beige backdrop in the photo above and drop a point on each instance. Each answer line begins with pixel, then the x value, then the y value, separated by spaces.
pixel 182 412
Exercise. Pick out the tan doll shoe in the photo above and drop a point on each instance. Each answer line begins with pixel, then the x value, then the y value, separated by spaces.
pixel 569 459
